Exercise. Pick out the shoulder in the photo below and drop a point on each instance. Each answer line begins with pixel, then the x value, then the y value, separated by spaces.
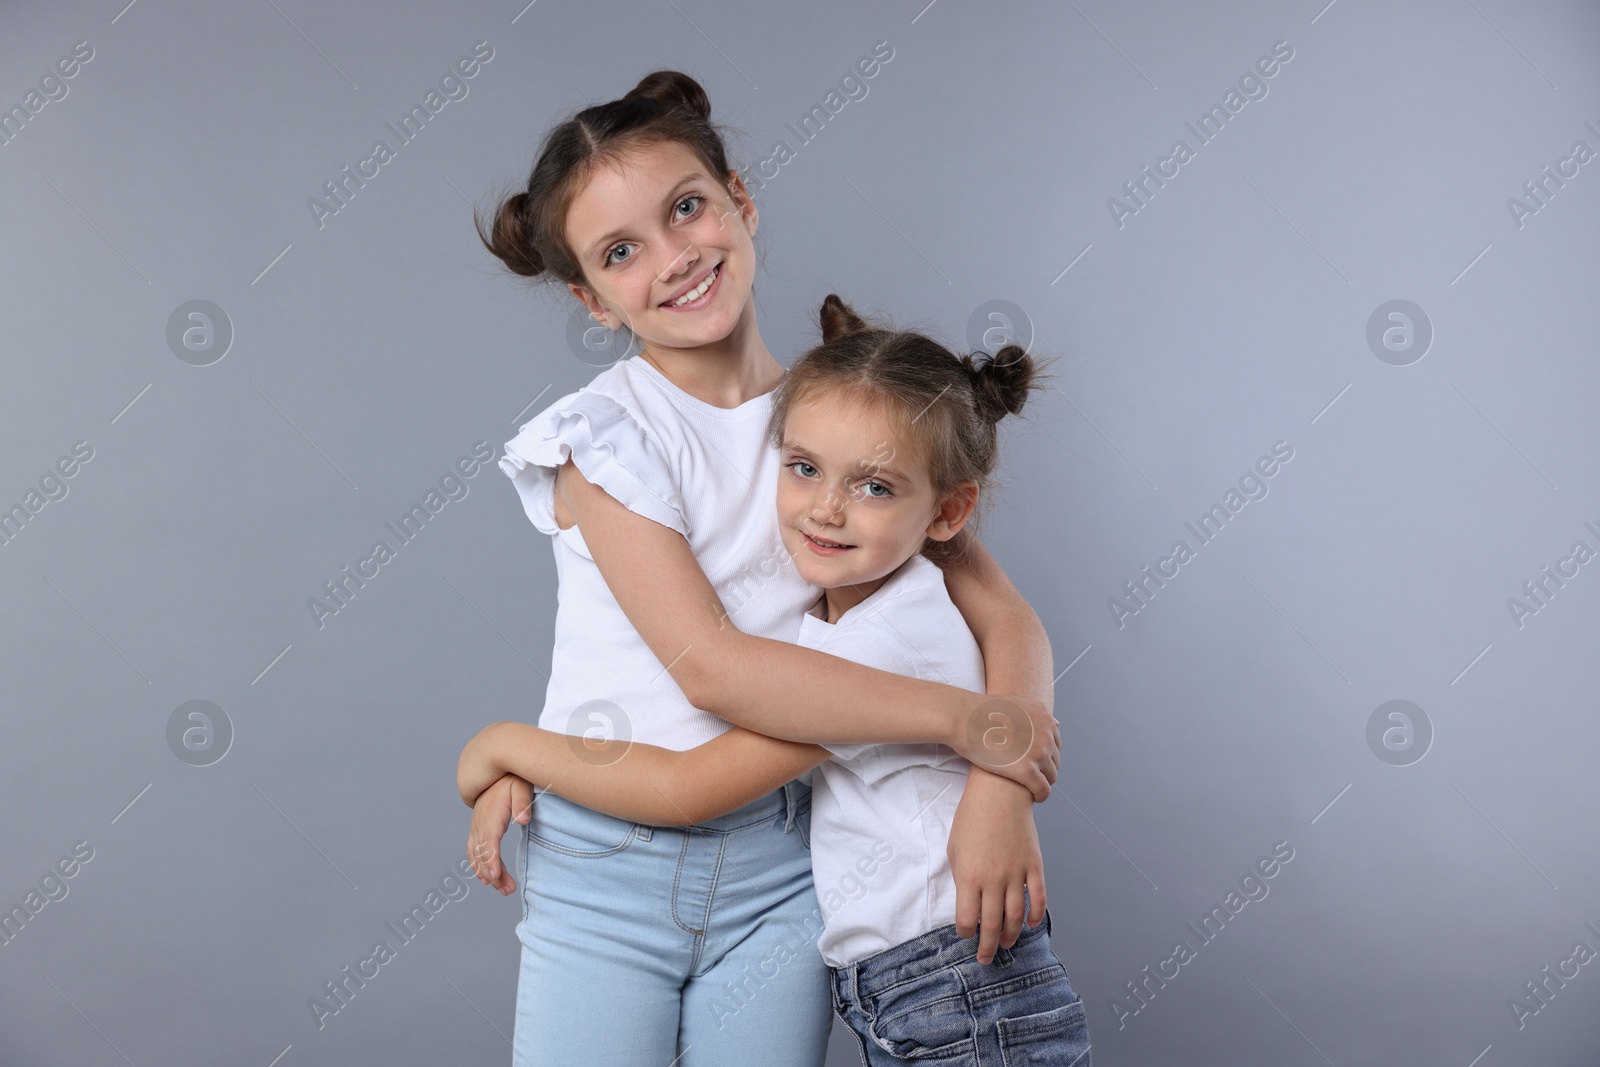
pixel 613 430
pixel 918 618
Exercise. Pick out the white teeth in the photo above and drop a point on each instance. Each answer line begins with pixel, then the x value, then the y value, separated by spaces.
pixel 698 291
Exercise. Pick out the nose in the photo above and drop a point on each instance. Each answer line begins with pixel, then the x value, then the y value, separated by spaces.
pixel 679 264
pixel 826 508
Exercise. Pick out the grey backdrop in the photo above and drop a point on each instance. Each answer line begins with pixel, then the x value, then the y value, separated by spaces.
pixel 344 365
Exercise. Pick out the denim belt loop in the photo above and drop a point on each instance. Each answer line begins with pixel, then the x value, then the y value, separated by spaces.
pixel 791 806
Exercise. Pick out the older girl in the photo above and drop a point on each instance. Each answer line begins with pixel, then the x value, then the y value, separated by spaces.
pixel 678 614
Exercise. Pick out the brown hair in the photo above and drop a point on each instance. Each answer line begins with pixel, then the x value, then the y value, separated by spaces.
pixel 528 233
pixel 948 405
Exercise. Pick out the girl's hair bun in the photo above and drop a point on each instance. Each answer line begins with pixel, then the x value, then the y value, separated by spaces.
pixel 839 319
pixel 1000 383
pixel 673 89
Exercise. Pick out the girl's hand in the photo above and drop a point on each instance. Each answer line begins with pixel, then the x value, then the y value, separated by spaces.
pixel 507 800
pixel 994 854
pixel 1014 737
pixel 475 771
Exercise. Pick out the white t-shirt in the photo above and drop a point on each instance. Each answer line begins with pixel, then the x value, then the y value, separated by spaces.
pixel 881 814
pixel 704 471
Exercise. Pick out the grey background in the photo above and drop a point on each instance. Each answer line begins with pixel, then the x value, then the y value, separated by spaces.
pixel 1229 313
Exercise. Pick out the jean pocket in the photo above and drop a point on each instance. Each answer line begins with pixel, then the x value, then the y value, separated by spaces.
pixel 573 830
pixel 1055 1038
pixel 926 1019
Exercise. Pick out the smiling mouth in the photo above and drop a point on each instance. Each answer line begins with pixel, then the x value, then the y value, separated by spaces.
pixel 698 291
pixel 823 542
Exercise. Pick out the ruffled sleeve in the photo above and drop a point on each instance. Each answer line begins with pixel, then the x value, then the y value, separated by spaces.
pixel 608 444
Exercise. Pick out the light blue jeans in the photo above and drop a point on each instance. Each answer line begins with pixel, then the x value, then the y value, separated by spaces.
pixel 689 946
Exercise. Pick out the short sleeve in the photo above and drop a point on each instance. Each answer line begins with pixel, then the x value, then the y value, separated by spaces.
pixel 867 643
pixel 608 444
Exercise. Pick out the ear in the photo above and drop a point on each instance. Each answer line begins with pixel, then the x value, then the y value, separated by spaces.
pixel 743 201
pixel 954 511
pixel 599 311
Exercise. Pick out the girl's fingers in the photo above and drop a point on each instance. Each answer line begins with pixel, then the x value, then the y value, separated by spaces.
pixel 991 925
pixel 966 910
pixel 1038 898
pixel 1013 919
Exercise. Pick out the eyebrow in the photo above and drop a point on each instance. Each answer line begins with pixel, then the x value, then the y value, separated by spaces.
pixel 600 245
pixel 871 470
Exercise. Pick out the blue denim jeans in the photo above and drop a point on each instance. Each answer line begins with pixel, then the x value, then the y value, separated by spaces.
pixel 691 946
pixel 929 1001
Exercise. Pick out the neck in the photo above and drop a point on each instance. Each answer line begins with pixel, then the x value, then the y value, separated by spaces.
pixel 839 600
pixel 725 373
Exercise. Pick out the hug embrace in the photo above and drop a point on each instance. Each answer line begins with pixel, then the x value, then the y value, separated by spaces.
pixel 823 804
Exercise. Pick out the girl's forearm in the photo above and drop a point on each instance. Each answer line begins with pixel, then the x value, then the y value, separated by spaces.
pixel 800 694
pixel 1016 650
pixel 1016 655
pixel 639 782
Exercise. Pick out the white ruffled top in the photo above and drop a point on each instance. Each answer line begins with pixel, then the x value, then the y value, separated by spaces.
pixel 707 473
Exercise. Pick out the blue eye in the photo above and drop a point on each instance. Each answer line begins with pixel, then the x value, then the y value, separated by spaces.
pixel 696 198
pixel 877 485
pixel 608 260
pixel 802 468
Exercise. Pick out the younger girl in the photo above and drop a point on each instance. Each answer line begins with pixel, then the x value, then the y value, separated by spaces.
pixel 678 612
pixel 886 440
